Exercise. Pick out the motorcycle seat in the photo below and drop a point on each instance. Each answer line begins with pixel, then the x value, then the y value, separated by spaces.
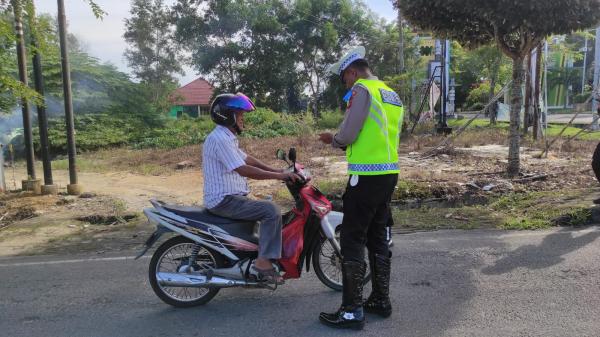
pixel 242 229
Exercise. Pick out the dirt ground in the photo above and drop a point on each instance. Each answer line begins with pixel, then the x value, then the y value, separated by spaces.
pixel 117 189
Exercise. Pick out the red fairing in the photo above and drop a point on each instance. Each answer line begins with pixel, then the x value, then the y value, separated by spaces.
pixel 293 233
pixel 293 243
pixel 317 201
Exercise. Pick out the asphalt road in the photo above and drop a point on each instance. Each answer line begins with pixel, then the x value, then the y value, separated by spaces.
pixel 446 283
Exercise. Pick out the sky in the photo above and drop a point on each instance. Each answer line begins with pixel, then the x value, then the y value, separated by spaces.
pixel 104 38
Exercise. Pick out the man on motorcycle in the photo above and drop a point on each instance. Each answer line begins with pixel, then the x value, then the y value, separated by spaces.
pixel 226 168
pixel 370 134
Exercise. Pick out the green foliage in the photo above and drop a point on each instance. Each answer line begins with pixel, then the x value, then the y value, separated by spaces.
pixel 11 89
pixel 330 119
pixel 526 224
pixel 99 13
pixel 272 50
pixel 516 25
pixel 470 67
pixel 102 131
pixel 479 96
pixel 413 73
pixel 407 189
pixel 265 123
pixel 582 98
pixel 93 132
pixel 532 211
pixel 177 133
pixel 332 187
pixel 152 52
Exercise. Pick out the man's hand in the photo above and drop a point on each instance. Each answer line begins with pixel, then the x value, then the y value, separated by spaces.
pixel 290 176
pixel 326 137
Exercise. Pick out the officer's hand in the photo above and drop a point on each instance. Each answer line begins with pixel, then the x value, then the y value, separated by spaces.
pixel 326 137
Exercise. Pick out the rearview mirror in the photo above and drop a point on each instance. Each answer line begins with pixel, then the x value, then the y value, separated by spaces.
pixel 280 154
pixel 292 155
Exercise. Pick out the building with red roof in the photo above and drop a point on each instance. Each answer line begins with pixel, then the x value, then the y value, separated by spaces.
pixel 192 99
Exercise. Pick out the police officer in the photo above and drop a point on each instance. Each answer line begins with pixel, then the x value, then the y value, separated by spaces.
pixel 370 135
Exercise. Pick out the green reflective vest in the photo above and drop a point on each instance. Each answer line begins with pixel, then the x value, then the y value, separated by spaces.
pixel 375 150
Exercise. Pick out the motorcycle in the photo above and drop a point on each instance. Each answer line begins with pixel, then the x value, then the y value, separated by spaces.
pixel 209 253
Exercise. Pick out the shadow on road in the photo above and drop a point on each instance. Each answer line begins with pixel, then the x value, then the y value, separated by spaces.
pixel 548 253
pixel 430 287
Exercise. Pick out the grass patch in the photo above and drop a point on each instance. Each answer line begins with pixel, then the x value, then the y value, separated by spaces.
pixel 83 165
pixel 537 210
pixel 405 189
pixel 552 131
pixel 525 211
pixel 332 187
pixel 525 223
pixel 102 165
pixel 446 218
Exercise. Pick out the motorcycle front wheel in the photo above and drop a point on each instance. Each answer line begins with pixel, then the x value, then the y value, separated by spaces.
pixel 328 264
pixel 173 257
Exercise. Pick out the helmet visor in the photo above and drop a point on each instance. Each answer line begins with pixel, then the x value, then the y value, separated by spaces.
pixel 240 102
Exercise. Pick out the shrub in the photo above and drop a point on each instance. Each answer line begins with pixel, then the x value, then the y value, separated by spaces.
pixel 581 98
pixel 92 132
pixel 480 95
pixel 330 120
pixel 177 133
pixel 266 123
pixel 100 131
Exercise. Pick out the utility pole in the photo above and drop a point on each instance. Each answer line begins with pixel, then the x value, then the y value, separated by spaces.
pixel 31 184
pixel 536 97
pixel 545 114
pixel 595 93
pixel 73 188
pixel 585 51
pixel 401 41
pixel 48 187
pixel 2 180
pixel 447 75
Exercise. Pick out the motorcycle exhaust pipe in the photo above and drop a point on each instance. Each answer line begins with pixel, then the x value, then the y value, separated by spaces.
pixel 198 281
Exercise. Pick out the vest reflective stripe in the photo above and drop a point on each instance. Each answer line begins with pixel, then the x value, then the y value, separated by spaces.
pixel 373 167
pixel 375 150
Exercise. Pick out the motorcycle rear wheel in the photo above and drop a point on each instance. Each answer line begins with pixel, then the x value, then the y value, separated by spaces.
pixel 171 256
pixel 328 265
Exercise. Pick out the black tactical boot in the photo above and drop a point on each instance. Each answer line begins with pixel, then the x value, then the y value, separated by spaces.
pixel 379 300
pixel 350 315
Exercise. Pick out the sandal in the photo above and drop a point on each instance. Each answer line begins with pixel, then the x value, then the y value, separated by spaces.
pixel 270 275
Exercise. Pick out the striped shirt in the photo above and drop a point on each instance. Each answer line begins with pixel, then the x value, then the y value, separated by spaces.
pixel 220 157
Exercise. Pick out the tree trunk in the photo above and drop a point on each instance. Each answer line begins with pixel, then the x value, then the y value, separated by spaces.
pixel 526 117
pixel 516 101
pixel 536 98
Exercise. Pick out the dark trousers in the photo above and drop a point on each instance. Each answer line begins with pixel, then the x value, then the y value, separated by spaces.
pixel 366 216
pixel 269 233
